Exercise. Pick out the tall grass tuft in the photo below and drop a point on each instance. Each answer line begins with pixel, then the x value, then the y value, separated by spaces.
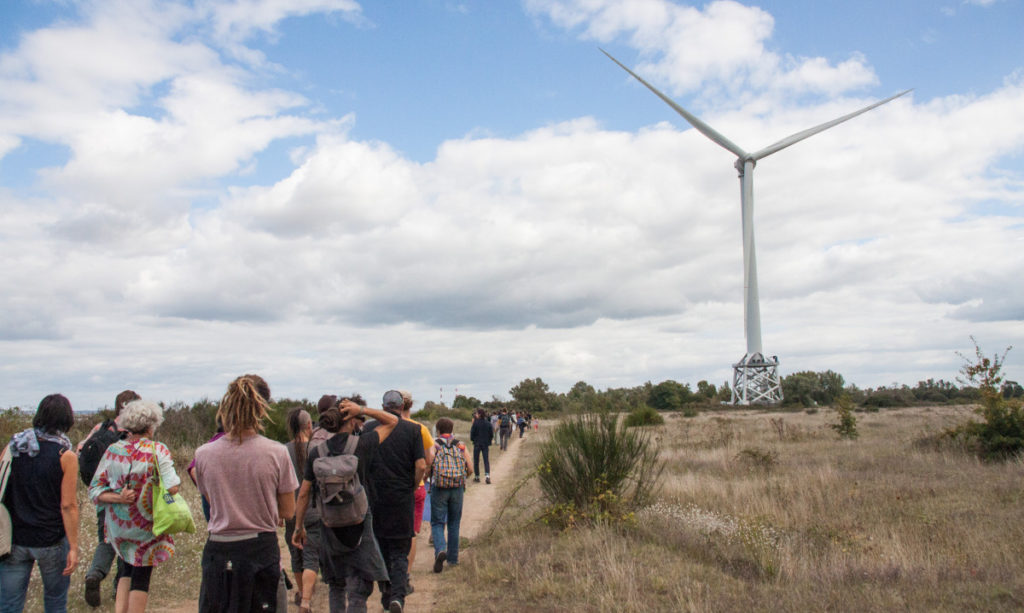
pixel 591 468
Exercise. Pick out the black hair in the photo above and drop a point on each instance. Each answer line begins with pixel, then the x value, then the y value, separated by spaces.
pixel 54 415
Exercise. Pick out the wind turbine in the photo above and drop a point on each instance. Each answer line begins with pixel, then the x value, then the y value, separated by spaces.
pixel 755 376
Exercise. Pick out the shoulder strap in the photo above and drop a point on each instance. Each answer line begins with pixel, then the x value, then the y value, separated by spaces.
pixel 350 444
pixel 321 450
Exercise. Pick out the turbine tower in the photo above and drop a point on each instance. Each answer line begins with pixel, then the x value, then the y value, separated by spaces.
pixel 756 376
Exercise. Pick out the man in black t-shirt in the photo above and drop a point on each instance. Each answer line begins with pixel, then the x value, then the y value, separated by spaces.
pixel 395 474
pixel 349 559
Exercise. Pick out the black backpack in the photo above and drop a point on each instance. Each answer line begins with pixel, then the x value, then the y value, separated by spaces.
pixel 93 448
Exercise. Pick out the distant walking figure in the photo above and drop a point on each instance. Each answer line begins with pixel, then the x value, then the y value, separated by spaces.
pixel 504 428
pixel 481 434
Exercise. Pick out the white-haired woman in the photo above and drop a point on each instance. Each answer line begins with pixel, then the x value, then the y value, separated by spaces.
pixel 124 483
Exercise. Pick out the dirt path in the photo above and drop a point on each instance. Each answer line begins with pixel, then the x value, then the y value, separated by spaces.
pixel 478 507
pixel 480 503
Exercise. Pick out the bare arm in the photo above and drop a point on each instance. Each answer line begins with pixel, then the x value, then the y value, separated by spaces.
pixel 421 469
pixel 469 461
pixel 69 507
pixel 301 505
pixel 387 420
pixel 286 505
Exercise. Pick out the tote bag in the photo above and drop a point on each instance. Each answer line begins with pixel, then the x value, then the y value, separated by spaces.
pixel 171 514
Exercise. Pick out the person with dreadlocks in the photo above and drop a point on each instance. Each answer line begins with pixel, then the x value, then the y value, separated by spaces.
pixel 305 559
pixel 250 483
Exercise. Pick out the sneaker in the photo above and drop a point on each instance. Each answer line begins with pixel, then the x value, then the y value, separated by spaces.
pixel 439 561
pixel 476 479
pixel 92 590
pixel 488 480
pixel 395 607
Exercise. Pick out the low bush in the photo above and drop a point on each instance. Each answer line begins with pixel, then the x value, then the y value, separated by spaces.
pixel 643 416
pixel 846 427
pixel 591 469
pixel 1000 436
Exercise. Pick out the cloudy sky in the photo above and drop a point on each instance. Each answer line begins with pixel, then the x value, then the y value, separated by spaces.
pixel 351 196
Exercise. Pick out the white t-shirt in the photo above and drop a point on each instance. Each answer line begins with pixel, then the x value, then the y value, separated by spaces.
pixel 242 481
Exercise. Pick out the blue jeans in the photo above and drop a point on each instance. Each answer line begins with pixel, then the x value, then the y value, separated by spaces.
pixel 103 557
pixel 16 570
pixel 446 510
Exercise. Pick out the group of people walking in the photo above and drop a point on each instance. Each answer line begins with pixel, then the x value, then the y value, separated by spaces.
pixel 350 491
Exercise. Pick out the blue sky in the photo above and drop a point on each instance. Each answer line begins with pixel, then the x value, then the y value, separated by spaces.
pixel 355 196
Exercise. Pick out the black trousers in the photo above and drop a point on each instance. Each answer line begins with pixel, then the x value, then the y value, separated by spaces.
pixel 241 576
pixel 396 558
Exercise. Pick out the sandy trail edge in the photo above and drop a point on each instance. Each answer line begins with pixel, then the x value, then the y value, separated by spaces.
pixel 480 504
pixel 478 508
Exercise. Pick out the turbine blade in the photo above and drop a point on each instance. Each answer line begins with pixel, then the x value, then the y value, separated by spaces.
pixel 701 127
pixel 799 136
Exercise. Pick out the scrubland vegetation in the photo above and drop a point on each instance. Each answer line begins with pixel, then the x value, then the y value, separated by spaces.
pixel 766 511
pixel 844 505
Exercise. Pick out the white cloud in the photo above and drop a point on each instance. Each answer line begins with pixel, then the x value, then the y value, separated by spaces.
pixel 570 251
pixel 720 48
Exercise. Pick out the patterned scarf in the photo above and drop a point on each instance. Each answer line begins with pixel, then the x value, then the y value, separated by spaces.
pixel 27 441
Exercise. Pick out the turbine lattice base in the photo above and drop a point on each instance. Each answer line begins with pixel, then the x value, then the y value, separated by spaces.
pixel 755 380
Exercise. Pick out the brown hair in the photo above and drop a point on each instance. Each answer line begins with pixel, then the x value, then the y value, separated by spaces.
pixel 331 420
pixel 122 399
pixel 245 405
pixel 297 420
pixel 445 426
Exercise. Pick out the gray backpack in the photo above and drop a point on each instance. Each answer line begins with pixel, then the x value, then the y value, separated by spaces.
pixel 340 496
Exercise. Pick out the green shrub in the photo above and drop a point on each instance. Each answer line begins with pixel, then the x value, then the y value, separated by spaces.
pixel 592 469
pixel 643 416
pixel 846 427
pixel 1000 435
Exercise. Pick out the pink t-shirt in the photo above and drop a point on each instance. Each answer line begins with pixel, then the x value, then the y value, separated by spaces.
pixel 242 482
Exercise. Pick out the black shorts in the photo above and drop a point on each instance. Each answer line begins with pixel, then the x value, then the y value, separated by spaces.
pixel 241 576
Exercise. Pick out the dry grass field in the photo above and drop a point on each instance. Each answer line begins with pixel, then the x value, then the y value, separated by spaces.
pixel 772 512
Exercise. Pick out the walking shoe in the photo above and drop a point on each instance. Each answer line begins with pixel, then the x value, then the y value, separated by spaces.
pixel 395 607
pixel 476 479
pixel 488 479
pixel 439 561
pixel 92 590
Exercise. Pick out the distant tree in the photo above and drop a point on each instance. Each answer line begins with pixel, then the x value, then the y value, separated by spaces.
pixel 432 407
pixel 725 392
pixel 581 390
pixel 1011 389
pixel 669 395
pixel 801 388
pixel 532 396
pixel 831 386
pixel 706 390
pixel 809 388
pixel 464 402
